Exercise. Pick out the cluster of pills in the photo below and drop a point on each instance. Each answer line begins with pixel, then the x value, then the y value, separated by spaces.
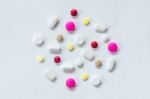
pixel 87 54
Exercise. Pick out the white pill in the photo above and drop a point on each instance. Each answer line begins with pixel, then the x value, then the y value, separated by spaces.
pixel 53 22
pixel 79 40
pixel 67 68
pixel 88 54
pixel 55 49
pixel 100 28
pixel 105 38
pixel 38 40
pixel 50 74
pixel 110 64
pixel 96 81
pixel 79 63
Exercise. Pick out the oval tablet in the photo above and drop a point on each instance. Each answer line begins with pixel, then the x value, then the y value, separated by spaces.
pixel 50 74
pixel 67 68
pixel 110 64
pixel 53 22
pixel 55 49
pixel 100 28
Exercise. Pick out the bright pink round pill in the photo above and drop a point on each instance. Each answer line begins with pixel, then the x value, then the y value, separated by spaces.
pixel 112 47
pixel 70 26
pixel 70 83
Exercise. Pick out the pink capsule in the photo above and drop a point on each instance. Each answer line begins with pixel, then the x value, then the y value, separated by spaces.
pixel 112 47
pixel 70 26
pixel 70 83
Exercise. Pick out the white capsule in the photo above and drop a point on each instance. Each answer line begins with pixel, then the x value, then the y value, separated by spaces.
pixel 110 64
pixel 96 81
pixel 51 75
pixel 88 54
pixel 100 28
pixel 55 49
pixel 38 40
pixel 79 63
pixel 105 38
pixel 67 68
pixel 79 40
pixel 53 22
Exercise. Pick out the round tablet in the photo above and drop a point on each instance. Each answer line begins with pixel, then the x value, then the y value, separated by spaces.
pixel 70 26
pixel 59 38
pixel 38 40
pixel 73 12
pixel 70 47
pixel 98 63
pixel 40 58
pixel 70 83
pixel 112 47
pixel 84 76
pixel 94 44
pixel 57 59
pixel 96 81
pixel 85 21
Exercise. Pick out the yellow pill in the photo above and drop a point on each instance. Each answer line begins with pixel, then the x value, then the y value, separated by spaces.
pixel 84 76
pixel 40 58
pixel 85 21
pixel 70 47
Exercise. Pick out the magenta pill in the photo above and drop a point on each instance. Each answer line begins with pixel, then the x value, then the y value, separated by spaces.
pixel 70 26
pixel 112 47
pixel 70 83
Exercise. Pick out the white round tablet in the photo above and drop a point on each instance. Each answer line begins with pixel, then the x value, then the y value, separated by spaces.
pixel 38 40
pixel 96 81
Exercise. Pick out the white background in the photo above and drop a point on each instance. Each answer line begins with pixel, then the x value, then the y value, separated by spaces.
pixel 21 76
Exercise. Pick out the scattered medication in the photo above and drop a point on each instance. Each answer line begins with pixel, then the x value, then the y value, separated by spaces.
pixel 100 28
pixel 84 76
pixel 79 63
pixel 55 49
pixel 70 83
pixel 105 38
pixel 50 74
pixel 98 63
pixel 112 47
pixel 79 40
pixel 73 12
pixel 40 58
pixel 53 22
pixel 94 44
pixel 110 65
pixel 70 26
pixel 57 59
pixel 59 38
pixel 70 47
pixel 85 21
pixel 96 81
pixel 38 40
pixel 88 54
pixel 68 68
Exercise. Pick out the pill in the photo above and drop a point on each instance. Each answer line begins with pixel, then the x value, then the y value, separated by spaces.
pixel 53 22
pixel 70 83
pixel 96 80
pixel 67 68
pixel 110 64
pixel 57 59
pixel 84 76
pixel 88 54
pixel 38 40
pixel 50 74
pixel 85 21
pixel 94 44
pixel 70 26
pixel 112 47
pixel 59 38
pixel 79 63
pixel 100 28
pixel 40 58
pixel 79 40
pixel 98 63
pixel 73 12
pixel 105 38
pixel 70 47
pixel 54 49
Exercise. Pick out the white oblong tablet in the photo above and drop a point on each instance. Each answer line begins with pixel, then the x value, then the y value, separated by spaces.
pixel 53 22
pixel 38 40
pixel 105 38
pixel 88 54
pixel 50 74
pixel 79 40
pixel 79 63
pixel 110 64
pixel 67 68
pixel 96 81
pixel 100 28
pixel 55 49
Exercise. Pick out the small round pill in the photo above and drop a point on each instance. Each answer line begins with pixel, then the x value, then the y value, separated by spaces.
pixel 70 26
pixel 84 76
pixel 96 81
pixel 98 63
pixel 73 12
pixel 59 38
pixel 38 40
pixel 57 59
pixel 70 83
pixel 85 21
pixel 112 47
pixel 70 47
pixel 40 58
pixel 94 44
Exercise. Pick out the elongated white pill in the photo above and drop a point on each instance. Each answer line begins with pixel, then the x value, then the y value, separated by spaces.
pixel 79 63
pixel 50 74
pixel 96 80
pixel 53 22
pixel 100 28
pixel 38 40
pixel 55 49
pixel 68 68
pixel 105 38
pixel 88 54
pixel 79 40
pixel 110 65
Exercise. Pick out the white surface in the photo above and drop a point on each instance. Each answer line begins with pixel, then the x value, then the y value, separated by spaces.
pixel 21 76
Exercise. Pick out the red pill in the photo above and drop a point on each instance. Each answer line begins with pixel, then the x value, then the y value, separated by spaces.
pixel 94 44
pixel 73 12
pixel 57 59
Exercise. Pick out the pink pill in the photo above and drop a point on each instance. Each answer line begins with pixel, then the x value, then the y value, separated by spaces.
pixel 112 47
pixel 70 83
pixel 70 26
